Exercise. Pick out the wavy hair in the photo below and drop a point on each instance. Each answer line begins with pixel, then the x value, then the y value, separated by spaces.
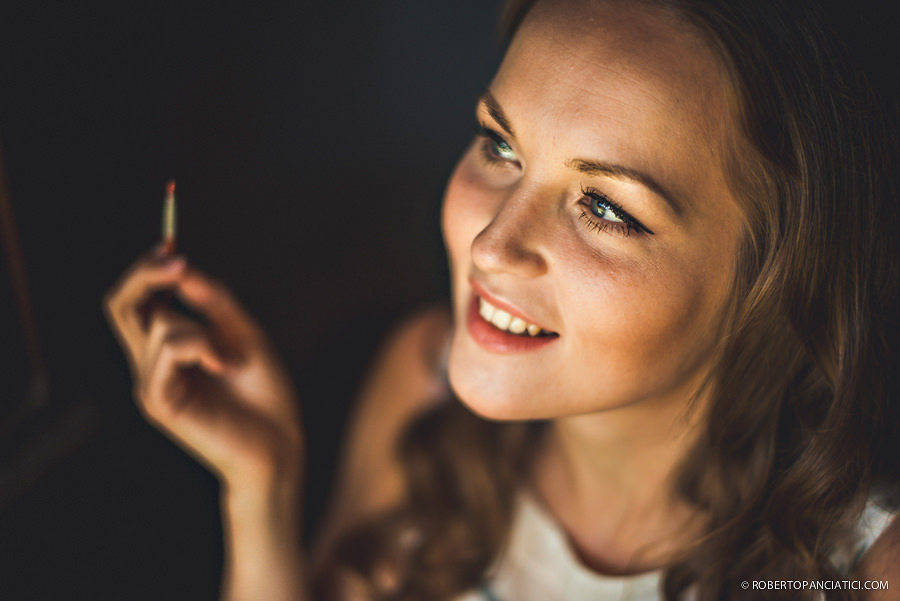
pixel 804 417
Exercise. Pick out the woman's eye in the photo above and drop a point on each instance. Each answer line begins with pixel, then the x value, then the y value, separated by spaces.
pixel 500 148
pixel 494 148
pixel 602 209
pixel 606 215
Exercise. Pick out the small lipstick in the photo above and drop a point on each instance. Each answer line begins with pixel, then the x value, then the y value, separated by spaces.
pixel 169 222
pixel 163 297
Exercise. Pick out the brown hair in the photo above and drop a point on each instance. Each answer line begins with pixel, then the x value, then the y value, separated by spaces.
pixel 804 417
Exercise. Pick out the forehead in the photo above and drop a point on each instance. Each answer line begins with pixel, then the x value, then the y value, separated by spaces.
pixel 624 79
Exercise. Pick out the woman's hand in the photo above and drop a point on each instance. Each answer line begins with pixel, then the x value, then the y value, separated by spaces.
pixel 210 381
pixel 213 384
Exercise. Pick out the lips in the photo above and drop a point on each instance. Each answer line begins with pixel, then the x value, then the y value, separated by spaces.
pixel 503 320
pixel 498 327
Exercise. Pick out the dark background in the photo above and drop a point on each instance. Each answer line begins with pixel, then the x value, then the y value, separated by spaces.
pixel 310 143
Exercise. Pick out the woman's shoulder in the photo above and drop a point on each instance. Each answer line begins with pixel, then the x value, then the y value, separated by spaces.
pixel 408 372
pixel 405 378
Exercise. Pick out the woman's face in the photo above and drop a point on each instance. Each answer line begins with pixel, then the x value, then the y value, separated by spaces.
pixel 594 206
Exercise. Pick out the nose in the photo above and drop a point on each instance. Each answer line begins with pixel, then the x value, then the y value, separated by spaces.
pixel 511 242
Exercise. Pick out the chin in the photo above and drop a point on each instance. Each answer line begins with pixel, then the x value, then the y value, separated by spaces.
pixel 495 412
pixel 490 402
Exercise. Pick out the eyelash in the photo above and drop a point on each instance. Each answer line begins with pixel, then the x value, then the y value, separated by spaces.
pixel 489 136
pixel 628 225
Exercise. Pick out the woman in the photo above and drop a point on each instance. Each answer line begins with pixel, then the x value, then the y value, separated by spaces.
pixel 674 277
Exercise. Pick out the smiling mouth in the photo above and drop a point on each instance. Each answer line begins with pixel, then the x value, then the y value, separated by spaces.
pixel 505 322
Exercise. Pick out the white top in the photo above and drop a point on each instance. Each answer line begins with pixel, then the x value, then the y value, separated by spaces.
pixel 540 565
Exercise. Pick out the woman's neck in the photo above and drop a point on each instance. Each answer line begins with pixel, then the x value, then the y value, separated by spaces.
pixel 610 480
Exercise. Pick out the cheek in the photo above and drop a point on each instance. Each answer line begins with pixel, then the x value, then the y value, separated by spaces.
pixel 640 327
pixel 467 210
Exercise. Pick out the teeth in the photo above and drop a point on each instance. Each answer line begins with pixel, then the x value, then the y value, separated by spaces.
pixel 485 309
pixel 501 319
pixel 517 326
pixel 504 321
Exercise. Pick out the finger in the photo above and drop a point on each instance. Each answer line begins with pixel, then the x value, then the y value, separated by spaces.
pixel 215 302
pixel 185 399
pixel 168 326
pixel 147 263
pixel 121 303
pixel 168 380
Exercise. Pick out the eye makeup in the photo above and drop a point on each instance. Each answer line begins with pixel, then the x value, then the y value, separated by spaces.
pixel 494 149
pixel 607 215
pixel 602 215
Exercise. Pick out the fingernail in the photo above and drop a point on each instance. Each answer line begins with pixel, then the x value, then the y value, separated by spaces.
pixel 174 264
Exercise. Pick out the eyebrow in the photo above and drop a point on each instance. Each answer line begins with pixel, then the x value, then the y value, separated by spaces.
pixel 496 113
